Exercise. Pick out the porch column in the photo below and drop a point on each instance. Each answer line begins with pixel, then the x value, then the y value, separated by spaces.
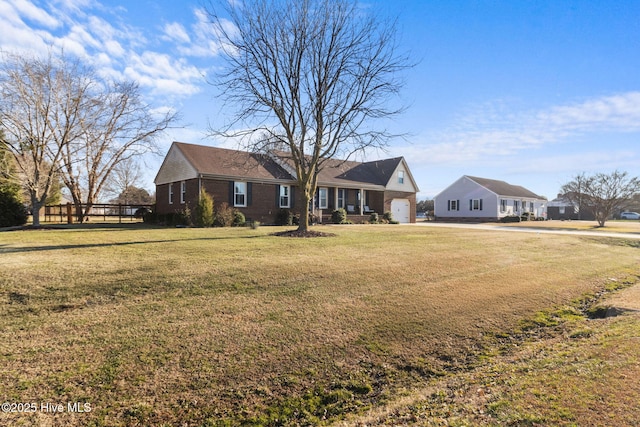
pixel 361 201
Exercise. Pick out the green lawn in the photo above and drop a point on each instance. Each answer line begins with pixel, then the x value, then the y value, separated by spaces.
pixel 153 326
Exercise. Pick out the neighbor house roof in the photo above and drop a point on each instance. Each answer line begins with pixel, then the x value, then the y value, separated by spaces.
pixel 502 188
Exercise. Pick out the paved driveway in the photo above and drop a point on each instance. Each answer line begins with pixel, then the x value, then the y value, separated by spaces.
pixel 494 227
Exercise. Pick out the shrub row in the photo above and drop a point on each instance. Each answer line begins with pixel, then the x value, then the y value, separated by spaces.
pixel 339 216
pixel 204 216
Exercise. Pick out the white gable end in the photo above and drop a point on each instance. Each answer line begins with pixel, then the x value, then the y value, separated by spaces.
pixel 401 180
pixel 457 200
pixel 175 168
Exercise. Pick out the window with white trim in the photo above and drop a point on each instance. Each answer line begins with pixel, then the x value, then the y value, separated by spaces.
pixel 503 205
pixel 475 204
pixel 342 198
pixel 400 177
pixel 170 194
pixel 323 198
pixel 453 205
pixel 239 194
pixel 285 192
pixel 516 205
pixel 183 191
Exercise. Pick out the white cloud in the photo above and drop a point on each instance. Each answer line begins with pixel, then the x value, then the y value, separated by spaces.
pixel 164 74
pixel 33 13
pixel 496 131
pixel 117 50
pixel 206 40
pixel 176 32
pixel 617 113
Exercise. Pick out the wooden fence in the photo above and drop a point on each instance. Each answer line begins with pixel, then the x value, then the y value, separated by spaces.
pixel 99 212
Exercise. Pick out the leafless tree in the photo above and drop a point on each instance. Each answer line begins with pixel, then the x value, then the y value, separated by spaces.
pixel 61 119
pixel 117 127
pixel 602 193
pixel 40 112
pixel 125 175
pixel 309 77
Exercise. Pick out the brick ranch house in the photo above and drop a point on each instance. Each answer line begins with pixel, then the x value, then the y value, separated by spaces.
pixel 260 185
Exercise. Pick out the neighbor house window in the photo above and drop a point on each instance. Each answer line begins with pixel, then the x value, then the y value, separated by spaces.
pixel 561 210
pixel 240 194
pixel 475 204
pixel 453 205
pixel 170 194
pixel 285 191
pixel 400 177
pixel 530 206
pixel 503 205
pixel 323 198
pixel 183 191
pixel 342 198
pixel 516 206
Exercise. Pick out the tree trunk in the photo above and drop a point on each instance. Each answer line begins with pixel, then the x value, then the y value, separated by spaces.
pixel 303 224
pixel 36 205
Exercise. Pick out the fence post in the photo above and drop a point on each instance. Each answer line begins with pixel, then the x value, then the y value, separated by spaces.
pixel 69 214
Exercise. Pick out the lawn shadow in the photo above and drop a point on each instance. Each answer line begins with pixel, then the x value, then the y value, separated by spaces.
pixel 5 249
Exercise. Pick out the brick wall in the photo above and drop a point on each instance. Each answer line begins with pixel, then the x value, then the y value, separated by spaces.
pixel 262 203
pixel 390 195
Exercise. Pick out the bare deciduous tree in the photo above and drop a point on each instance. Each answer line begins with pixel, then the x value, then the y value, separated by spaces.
pixel 602 193
pixel 308 77
pixel 61 119
pixel 125 175
pixel 117 127
pixel 40 113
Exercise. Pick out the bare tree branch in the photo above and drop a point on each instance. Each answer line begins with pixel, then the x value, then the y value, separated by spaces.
pixel 61 119
pixel 602 193
pixel 309 77
pixel 39 105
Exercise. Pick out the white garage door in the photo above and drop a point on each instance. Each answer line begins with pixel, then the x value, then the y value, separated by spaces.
pixel 400 210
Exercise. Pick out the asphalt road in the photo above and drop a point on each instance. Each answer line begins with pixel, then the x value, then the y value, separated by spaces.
pixel 493 227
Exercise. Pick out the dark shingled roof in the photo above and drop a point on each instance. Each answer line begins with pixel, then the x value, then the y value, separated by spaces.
pixel 233 163
pixel 351 173
pixel 503 188
pixel 225 162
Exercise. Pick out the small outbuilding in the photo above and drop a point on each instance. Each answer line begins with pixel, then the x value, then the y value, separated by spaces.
pixel 568 207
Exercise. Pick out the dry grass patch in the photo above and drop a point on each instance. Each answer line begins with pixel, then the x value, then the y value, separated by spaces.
pixel 581 372
pixel 214 326
pixel 613 226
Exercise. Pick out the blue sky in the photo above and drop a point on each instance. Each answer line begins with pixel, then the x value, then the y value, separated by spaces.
pixel 530 92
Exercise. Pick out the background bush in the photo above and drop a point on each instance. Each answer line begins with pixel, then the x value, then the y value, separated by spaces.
pixel 284 217
pixel 12 211
pixel 239 219
pixel 339 216
pixel 510 218
pixel 388 217
pixel 204 210
pixel 224 215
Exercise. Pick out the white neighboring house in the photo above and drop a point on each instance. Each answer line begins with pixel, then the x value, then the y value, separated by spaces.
pixel 480 199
